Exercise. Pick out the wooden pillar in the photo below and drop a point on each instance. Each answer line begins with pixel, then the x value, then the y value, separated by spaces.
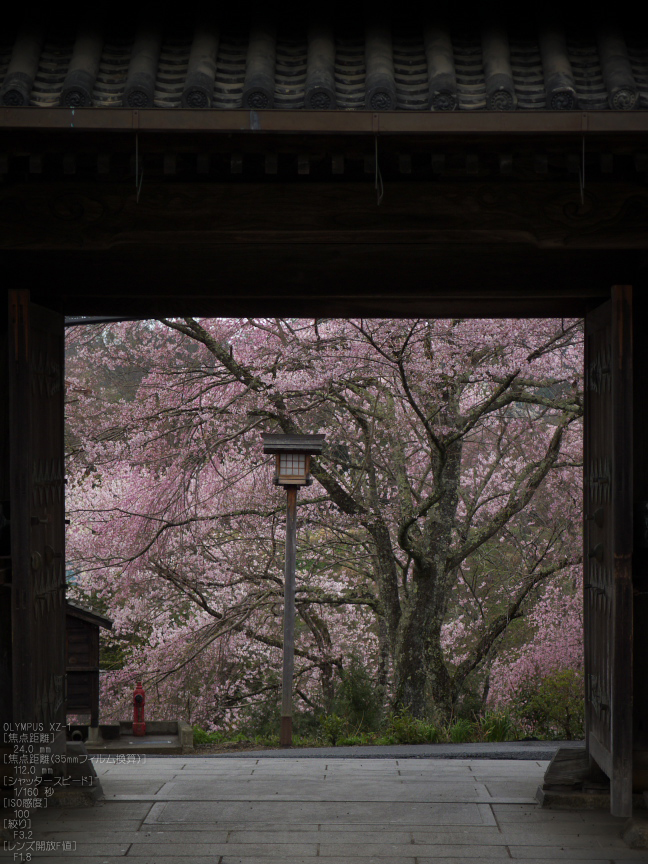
pixel 22 583
pixel 640 553
pixel 285 738
pixel 6 702
pixel 37 532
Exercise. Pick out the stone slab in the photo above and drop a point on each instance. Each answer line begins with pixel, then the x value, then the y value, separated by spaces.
pixel 506 860
pixel 135 836
pixel 227 859
pixel 387 850
pixel 191 851
pixel 533 813
pixel 592 836
pixel 259 829
pixel 575 853
pixel 374 859
pixel 104 809
pixel 280 813
pixel 66 829
pixel 513 788
pixel 329 790
pixel 98 851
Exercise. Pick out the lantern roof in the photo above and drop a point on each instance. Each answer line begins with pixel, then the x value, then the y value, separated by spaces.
pixel 277 443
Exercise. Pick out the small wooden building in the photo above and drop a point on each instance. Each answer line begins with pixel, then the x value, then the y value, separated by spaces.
pixel 330 165
pixel 82 660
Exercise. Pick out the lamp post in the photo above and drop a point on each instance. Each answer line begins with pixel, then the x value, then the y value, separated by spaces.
pixel 292 470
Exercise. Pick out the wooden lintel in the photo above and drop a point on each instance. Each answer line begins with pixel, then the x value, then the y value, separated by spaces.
pixel 546 123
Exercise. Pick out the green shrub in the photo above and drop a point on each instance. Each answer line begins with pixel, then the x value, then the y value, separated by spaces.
pixel 352 741
pixel 461 731
pixel 333 727
pixel 358 698
pixel 496 726
pixel 200 736
pixel 405 729
pixel 555 708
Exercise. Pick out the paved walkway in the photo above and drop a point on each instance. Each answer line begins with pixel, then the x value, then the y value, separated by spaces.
pixel 262 810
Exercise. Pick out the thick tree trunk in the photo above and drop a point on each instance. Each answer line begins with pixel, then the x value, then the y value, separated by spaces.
pixel 328 686
pixel 384 655
pixel 423 685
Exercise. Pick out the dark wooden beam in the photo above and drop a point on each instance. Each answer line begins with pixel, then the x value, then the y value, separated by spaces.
pixel 315 279
pixel 612 124
pixel 535 214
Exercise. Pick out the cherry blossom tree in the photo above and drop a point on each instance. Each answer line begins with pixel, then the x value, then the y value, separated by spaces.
pixel 446 499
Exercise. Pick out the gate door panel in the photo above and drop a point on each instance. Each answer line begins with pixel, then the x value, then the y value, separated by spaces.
pixel 608 542
pixel 37 515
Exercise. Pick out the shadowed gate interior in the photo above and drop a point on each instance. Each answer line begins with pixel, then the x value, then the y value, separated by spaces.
pixel 373 167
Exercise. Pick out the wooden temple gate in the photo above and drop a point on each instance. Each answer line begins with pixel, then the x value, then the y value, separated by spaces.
pixel 327 168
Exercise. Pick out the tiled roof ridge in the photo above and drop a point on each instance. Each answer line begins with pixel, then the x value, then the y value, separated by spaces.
pixel 376 68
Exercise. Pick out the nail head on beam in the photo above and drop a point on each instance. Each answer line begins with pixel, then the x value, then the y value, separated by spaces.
pixel 506 163
pixel 337 163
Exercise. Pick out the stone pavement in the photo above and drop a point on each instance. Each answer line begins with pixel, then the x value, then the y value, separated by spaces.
pixel 262 810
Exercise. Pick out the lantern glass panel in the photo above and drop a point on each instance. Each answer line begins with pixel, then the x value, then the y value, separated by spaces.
pixel 292 465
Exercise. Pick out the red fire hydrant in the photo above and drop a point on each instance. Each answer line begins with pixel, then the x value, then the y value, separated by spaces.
pixel 139 697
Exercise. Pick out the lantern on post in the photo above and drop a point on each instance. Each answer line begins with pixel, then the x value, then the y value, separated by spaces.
pixel 292 470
